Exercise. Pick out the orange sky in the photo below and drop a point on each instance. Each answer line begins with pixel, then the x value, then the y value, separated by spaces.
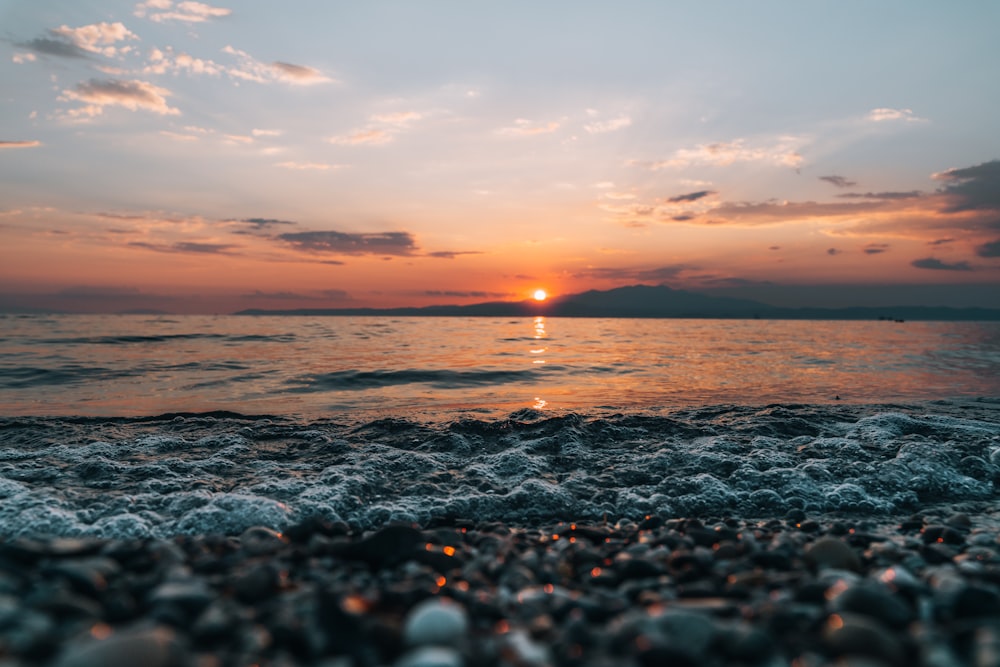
pixel 188 157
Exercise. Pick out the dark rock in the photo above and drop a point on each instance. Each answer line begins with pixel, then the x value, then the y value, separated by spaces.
pixel 829 552
pixel 874 601
pixel 384 548
pixel 158 647
pixel 258 583
pixel 854 635
pixel 942 535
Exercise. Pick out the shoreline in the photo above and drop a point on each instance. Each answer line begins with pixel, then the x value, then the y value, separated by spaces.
pixel 685 591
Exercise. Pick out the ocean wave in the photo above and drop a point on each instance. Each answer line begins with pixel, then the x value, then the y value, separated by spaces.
pixel 443 379
pixel 223 472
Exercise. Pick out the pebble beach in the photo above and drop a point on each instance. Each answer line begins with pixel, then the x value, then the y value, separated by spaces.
pixel 660 591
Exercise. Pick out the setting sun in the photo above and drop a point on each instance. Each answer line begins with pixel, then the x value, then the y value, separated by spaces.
pixel 540 295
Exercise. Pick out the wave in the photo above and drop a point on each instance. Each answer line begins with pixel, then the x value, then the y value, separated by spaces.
pixel 443 379
pixel 221 472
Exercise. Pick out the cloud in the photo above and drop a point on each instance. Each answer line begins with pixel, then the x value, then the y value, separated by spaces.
pixel 838 181
pixel 188 247
pixel 97 38
pixel 20 144
pixel 974 188
pixel 307 166
pixel 381 129
pixel 374 137
pixel 783 152
pixel 166 61
pixel 473 294
pixel 21 58
pixel 299 74
pixel 883 114
pixel 54 47
pixel 659 274
pixel 692 196
pixel 912 194
pixel 398 118
pixel 250 69
pixel 263 223
pixel 345 243
pixel 266 133
pixel 938 265
pixel 833 251
pixel 612 125
pixel 187 12
pixel 990 249
pixel 132 95
pixel 876 248
pixel 525 128
pixel 452 254
pixel 257 294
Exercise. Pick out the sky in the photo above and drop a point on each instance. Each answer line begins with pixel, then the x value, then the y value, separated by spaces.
pixel 193 157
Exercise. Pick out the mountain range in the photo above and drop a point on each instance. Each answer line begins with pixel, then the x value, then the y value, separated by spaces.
pixel 653 301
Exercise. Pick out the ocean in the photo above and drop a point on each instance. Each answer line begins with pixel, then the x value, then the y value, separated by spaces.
pixel 151 426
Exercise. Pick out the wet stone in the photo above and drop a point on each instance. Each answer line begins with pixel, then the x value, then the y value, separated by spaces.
pixel 832 553
pixel 855 635
pixel 157 647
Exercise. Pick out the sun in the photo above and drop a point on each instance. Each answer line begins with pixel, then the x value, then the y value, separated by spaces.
pixel 540 295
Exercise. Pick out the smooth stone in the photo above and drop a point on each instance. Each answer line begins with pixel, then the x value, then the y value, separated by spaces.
pixel 829 552
pixel 942 535
pixel 258 583
pixel 157 647
pixel 260 540
pixel 431 656
pixel 436 622
pixel 851 634
pixel 874 601
pixel 192 596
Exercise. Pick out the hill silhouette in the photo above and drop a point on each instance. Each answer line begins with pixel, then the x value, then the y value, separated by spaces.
pixel 651 301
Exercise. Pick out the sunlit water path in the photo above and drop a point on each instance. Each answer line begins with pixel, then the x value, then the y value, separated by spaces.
pixel 140 365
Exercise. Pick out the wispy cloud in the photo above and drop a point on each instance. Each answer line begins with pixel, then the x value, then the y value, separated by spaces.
pixel 691 196
pixel 876 248
pixel 468 294
pixel 989 249
pixel 19 144
pixel 308 166
pixel 249 68
pixel 452 254
pixel 884 114
pixel 370 136
pixel 381 129
pixel 604 126
pixel 346 243
pixel 782 152
pixel 187 12
pixel 299 74
pixel 940 265
pixel 523 127
pixel 188 247
pixel 21 58
pixel 838 181
pixel 133 95
pixel 911 194
pixel 658 274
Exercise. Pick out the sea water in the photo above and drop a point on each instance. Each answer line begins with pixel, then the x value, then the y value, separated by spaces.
pixel 136 426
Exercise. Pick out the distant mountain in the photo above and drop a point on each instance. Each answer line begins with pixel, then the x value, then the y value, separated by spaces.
pixel 652 301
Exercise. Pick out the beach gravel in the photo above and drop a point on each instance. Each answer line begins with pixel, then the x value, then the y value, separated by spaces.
pixel 802 591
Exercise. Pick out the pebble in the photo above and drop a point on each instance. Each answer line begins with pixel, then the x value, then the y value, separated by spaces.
pixel 439 622
pixel 156 647
pixel 832 553
pixel 654 591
